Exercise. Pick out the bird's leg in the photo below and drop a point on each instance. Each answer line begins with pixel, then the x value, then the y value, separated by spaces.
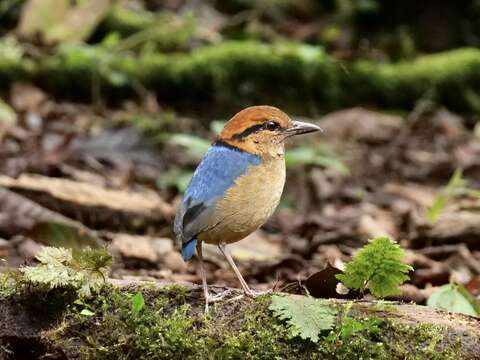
pixel 201 270
pixel 246 289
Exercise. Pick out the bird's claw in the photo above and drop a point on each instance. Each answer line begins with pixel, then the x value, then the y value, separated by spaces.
pixel 256 293
pixel 218 297
pixel 215 298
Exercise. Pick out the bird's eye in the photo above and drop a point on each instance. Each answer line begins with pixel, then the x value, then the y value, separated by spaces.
pixel 271 125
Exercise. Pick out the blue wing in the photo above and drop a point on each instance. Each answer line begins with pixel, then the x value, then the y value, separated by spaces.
pixel 215 174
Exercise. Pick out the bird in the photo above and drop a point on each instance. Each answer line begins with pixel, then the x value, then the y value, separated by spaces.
pixel 236 186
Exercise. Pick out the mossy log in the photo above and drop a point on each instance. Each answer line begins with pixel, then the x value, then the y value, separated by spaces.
pixel 299 78
pixel 56 324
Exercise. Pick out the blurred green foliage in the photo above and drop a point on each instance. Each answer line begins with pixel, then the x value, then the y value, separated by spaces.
pixel 7 114
pixel 13 64
pixel 456 298
pixel 281 60
pixel 456 182
pixel 319 154
pixel 146 31
pixel 225 77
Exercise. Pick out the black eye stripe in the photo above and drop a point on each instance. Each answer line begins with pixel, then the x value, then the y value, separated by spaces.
pixel 269 125
pixel 248 131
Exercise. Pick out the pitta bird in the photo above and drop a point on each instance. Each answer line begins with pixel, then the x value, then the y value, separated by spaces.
pixel 236 186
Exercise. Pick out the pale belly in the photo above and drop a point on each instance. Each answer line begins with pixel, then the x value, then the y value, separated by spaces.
pixel 247 205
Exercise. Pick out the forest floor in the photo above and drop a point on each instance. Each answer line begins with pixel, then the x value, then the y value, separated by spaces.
pixel 80 174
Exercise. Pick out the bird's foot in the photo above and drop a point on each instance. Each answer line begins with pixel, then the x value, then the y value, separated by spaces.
pixel 218 297
pixel 256 293
pixel 250 293
pixel 209 299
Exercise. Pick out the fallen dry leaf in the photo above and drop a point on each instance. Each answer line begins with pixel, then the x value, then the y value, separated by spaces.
pixel 324 284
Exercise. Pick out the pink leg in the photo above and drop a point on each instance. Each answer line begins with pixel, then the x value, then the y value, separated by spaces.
pixel 229 258
pixel 201 270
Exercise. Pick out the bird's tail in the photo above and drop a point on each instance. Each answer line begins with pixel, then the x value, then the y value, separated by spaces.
pixel 188 249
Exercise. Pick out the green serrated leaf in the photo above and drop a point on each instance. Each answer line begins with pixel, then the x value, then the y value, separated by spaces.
pixel 83 270
pixel 51 275
pixel 377 266
pixel 138 303
pixel 456 298
pixel 92 259
pixel 54 256
pixel 306 316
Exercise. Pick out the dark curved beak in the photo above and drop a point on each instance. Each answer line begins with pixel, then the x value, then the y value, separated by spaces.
pixel 300 127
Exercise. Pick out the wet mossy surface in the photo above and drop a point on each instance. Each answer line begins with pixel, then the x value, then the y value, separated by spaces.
pixel 173 325
pixel 235 74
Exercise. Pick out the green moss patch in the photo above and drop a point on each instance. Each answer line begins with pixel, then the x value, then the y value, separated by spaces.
pixel 172 324
pixel 235 74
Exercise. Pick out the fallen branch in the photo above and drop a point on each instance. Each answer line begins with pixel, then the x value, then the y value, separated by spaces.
pixel 172 324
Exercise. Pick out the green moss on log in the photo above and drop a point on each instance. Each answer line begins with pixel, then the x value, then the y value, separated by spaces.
pixel 299 78
pixel 13 64
pixel 451 78
pixel 230 75
pixel 173 325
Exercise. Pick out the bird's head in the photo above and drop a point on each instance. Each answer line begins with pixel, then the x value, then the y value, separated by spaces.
pixel 262 130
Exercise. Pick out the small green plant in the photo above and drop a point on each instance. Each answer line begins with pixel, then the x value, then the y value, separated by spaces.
pixel 138 303
pixel 351 326
pixel 456 182
pixel 348 326
pixel 83 270
pixel 378 267
pixel 306 316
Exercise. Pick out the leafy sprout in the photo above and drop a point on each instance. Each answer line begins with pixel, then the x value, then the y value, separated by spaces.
pixel 378 267
pixel 137 303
